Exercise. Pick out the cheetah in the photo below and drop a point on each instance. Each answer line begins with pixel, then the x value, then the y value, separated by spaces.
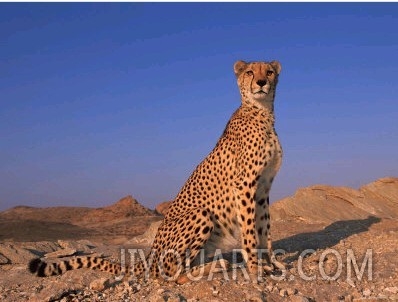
pixel 225 202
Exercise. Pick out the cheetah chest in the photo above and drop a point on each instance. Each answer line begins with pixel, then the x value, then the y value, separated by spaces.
pixel 271 167
pixel 228 236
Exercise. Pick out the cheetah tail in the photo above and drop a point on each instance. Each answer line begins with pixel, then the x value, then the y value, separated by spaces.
pixel 44 269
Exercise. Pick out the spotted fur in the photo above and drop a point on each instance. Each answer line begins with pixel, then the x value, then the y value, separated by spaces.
pixel 225 202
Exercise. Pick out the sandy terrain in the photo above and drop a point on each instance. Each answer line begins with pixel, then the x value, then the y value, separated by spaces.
pixel 339 244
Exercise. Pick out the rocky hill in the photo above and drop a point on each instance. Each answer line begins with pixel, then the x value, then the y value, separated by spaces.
pixel 119 221
pixel 330 224
pixel 326 204
pixel 125 207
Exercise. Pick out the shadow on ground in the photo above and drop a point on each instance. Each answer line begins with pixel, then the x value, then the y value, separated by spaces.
pixel 326 238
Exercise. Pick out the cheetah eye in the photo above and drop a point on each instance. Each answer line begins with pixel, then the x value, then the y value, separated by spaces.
pixel 250 73
pixel 269 72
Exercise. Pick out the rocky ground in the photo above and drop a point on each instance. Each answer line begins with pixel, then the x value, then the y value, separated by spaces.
pixel 339 244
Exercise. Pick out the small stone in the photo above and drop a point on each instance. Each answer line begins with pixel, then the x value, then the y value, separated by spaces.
pixel 392 290
pixel 290 291
pixel 282 292
pixel 99 284
pixel 81 245
pixel 348 298
pixel 60 253
pixel 4 260
pixel 298 299
pixel 255 296
pixel 367 292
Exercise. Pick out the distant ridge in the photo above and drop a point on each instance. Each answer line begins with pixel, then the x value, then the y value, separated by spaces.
pixel 124 219
pixel 326 204
pixel 125 207
pixel 53 214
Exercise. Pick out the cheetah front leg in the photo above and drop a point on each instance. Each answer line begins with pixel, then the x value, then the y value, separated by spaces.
pixel 247 220
pixel 263 230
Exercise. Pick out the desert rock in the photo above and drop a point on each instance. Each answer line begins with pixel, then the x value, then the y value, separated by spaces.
pixel 362 224
pixel 162 207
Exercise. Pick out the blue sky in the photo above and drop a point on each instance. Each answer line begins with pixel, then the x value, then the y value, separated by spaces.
pixel 100 100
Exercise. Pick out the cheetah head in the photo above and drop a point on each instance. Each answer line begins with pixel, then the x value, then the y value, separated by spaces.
pixel 257 81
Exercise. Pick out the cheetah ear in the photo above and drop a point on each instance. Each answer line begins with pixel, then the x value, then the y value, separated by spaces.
pixel 239 66
pixel 277 66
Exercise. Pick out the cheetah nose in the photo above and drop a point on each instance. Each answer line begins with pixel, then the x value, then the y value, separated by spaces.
pixel 261 83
